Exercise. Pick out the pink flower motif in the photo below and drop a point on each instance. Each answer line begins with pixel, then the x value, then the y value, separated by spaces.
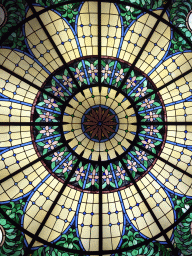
pixel 119 75
pixel 51 103
pixel 107 176
pixel 147 103
pixel 47 116
pixel 131 82
pixel 148 144
pixel 151 116
pixel 132 165
pixel 47 131
pixel 79 75
pixel 141 92
pixel 142 155
pixel 67 166
pixel 120 173
pixel 79 173
pixel 106 71
pixel 67 81
pixel 57 91
pixel 57 156
pixel 51 144
pixel 92 71
pixel 151 130
pixel 93 177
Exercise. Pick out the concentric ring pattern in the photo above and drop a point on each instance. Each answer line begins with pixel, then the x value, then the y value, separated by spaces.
pixel 107 135
pixel 95 138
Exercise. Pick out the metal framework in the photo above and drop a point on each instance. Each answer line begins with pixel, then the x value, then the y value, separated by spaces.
pixel 163 232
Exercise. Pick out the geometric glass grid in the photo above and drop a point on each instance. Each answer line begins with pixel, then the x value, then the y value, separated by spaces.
pixel 95 138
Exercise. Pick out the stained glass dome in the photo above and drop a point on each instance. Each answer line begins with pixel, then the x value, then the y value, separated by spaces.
pixel 95 127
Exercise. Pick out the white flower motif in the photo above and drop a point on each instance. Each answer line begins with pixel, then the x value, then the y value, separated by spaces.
pixel 186 208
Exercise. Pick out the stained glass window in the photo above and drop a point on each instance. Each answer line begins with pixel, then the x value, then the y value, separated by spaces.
pixel 95 127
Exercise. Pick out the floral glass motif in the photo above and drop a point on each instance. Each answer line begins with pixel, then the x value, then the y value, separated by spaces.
pixel 95 137
pixel 99 123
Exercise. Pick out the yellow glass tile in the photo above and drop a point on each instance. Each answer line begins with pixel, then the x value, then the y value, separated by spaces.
pixel 107 244
pixel 106 232
pixel 154 229
pixel 141 223
pixel 95 156
pixel 112 153
pixel 45 232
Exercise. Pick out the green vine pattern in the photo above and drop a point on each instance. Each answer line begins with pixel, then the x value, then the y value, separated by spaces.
pixel 130 13
pixel 15 13
pixel 132 238
pixel 14 240
pixel 69 241
pixel 183 231
pixel 178 15
pixel 68 11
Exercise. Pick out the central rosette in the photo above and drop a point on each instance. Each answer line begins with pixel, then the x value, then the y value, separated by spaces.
pixel 99 123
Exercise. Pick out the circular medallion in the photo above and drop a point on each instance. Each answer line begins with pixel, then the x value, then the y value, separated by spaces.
pixel 2 15
pixel 2 236
pixel 189 21
pixel 94 124
pixel 100 123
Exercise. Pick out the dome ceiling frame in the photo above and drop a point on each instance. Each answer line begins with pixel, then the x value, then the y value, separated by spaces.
pixel 36 236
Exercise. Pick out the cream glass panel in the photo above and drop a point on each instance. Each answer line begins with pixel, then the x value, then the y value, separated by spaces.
pixel 158 202
pixel 87 29
pixel 40 203
pixel 61 34
pixel 136 37
pixel 171 69
pixel 112 221
pixel 170 177
pixel 22 65
pixel 23 182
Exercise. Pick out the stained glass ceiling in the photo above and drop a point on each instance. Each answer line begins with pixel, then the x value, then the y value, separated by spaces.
pixel 95 137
